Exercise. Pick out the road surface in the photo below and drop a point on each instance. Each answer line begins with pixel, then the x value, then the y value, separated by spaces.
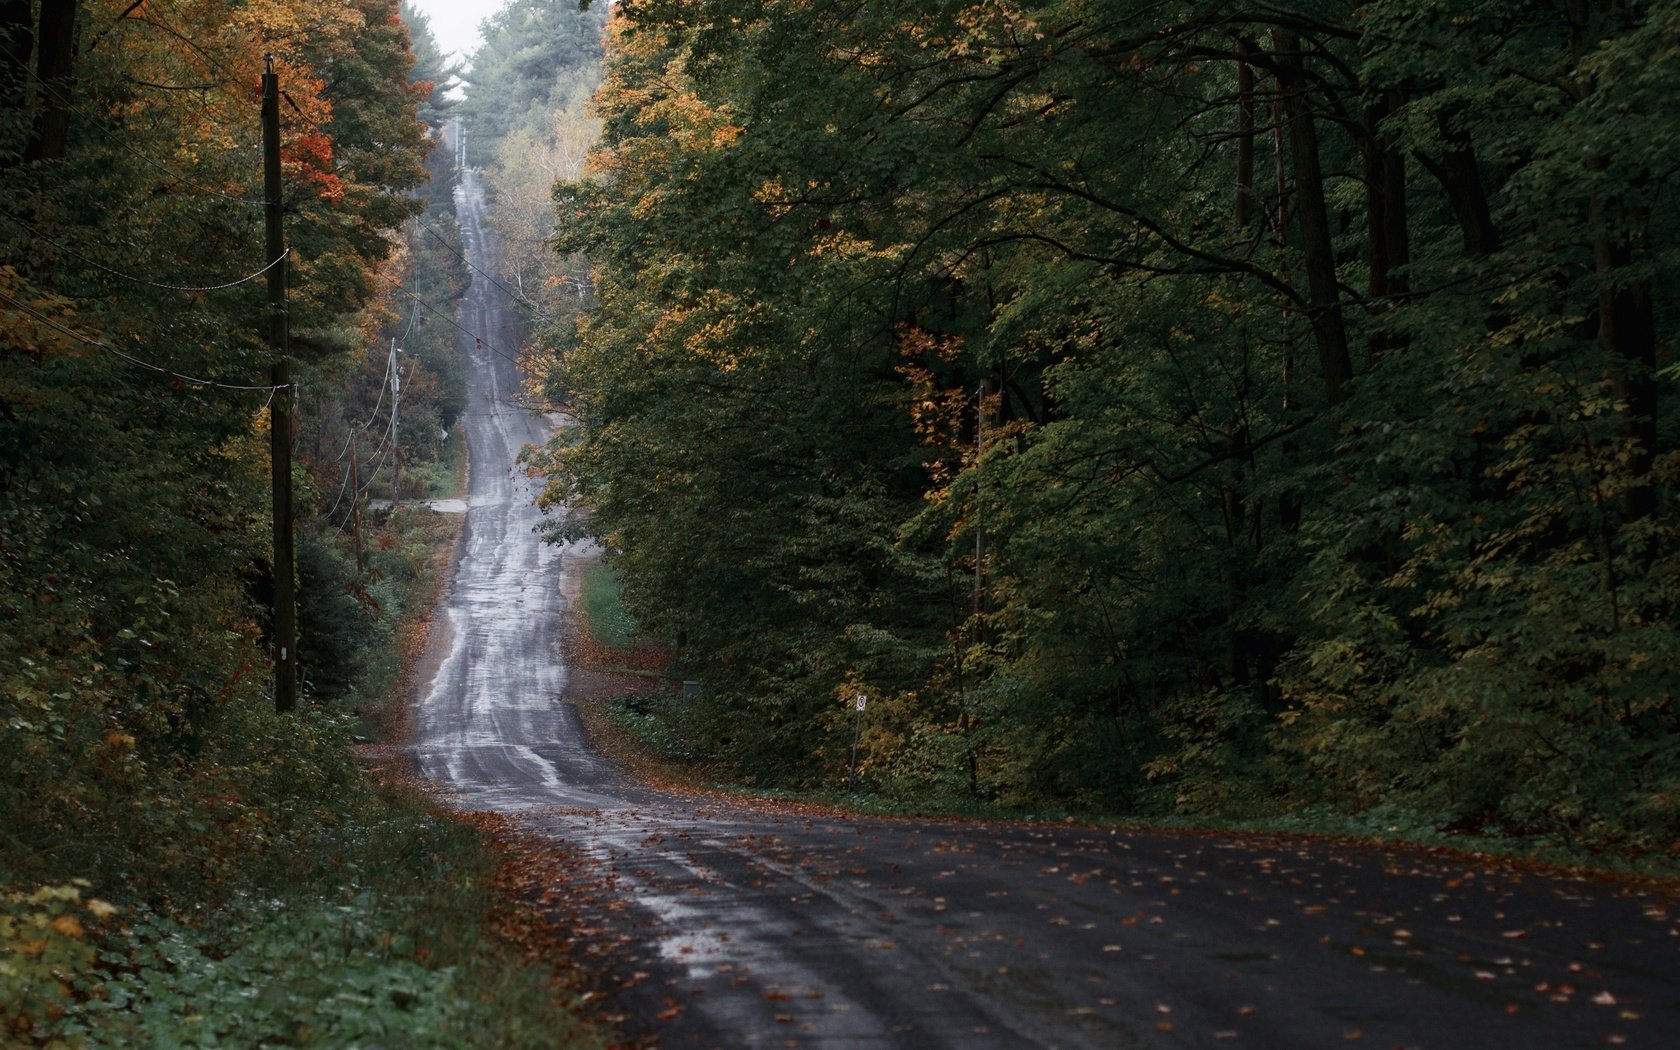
pixel 740 924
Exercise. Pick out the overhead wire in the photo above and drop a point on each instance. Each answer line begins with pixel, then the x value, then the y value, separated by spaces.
pixel 516 296
pixel 485 343
pixel 136 361
pixel 419 302
pixel 384 385
pixel 93 122
pixel 414 312
pixel 386 443
pixel 141 280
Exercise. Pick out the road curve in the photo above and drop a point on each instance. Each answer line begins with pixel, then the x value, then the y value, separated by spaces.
pixel 742 925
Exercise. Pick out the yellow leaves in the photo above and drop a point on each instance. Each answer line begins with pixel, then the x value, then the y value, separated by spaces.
pixel 713 330
pixel 772 194
pixel 32 321
pixel 43 948
pixel 711 343
pixel 692 125
pixel 68 926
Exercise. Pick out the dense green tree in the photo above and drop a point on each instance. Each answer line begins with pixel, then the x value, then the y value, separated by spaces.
pixel 1221 407
pixel 539 57
pixel 134 409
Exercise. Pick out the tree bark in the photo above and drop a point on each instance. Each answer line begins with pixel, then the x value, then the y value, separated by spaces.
pixel 55 67
pixel 1245 141
pixel 1324 308
pixel 1461 176
pixel 17 46
pixel 1385 224
pixel 1627 330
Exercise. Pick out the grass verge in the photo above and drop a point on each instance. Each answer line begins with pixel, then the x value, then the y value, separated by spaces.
pixel 609 625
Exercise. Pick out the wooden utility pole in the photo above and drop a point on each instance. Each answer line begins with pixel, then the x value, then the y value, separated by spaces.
pixel 280 414
pixel 356 503
pixel 396 434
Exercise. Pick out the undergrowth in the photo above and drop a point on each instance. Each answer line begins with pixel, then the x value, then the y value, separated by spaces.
pixel 656 724
pixel 281 892
pixel 374 935
pixel 652 721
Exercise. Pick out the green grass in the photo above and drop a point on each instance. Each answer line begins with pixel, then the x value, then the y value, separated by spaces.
pixel 609 625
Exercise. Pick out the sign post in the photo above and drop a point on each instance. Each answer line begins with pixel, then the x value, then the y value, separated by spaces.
pixel 859 704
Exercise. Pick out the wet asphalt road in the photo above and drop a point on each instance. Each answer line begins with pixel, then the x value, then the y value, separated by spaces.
pixel 739 924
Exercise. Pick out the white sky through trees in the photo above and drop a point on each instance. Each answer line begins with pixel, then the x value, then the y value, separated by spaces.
pixel 455 22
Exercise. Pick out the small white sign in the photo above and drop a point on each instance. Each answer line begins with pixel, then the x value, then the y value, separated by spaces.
pixel 861 702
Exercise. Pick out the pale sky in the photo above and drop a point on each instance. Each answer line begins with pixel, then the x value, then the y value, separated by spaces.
pixel 455 22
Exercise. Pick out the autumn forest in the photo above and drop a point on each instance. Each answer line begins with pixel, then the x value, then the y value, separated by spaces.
pixel 1200 414
pixel 1157 409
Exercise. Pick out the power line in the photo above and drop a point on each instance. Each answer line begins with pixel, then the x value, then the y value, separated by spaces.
pixel 414 312
pixel 344 481
pixel 141 280
pixel 459 327
pixel 515 296
pixel 138 362
pixel 384 384
pixel 93 122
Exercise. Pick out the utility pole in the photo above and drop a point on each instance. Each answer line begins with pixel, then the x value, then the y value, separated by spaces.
pixel 396 434
pixel 280 414
pixel 356 502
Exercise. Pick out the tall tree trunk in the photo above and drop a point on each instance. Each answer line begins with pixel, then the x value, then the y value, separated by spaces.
pixel 1460 175
pixel 1627 327
pixel 1385 223
pixel 1627 330
pixel 1245 141
pixel 55 67
pixel 1324 308
pixel 1289 501
pixel 17 46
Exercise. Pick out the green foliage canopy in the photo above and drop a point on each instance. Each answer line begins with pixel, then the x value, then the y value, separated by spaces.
pixel 1219 408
